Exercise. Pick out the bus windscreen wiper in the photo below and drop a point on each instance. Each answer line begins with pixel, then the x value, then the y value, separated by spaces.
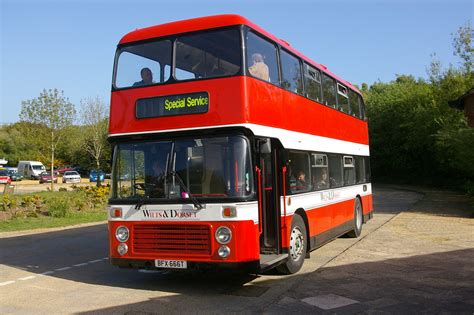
pixel 181 183
pixel 141 201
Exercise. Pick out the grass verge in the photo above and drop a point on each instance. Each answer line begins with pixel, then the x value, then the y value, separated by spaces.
pixel 19 224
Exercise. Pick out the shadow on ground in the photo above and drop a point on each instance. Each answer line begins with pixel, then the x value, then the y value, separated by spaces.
pixel 425 283
pixel 428 200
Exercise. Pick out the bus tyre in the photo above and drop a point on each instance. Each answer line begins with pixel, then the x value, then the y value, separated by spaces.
pixel 297 249
pixel 358 220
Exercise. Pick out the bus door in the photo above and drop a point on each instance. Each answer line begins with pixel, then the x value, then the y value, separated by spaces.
pixel 268 196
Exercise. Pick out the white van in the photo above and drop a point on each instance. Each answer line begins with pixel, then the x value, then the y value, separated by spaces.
pixel 30 169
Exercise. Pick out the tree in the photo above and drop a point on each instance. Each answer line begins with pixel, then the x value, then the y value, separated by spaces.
pixel 462 42
pixel 94 117
pixel 48 116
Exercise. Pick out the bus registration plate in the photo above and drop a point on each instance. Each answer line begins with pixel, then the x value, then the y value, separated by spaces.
pixel 174 264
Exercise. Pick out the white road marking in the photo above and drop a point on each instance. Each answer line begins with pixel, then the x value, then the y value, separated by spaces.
pixel 6 283
pixel 46 273
pixel 27 278
pixel 80 265
pixel 329 301
pixel 53 271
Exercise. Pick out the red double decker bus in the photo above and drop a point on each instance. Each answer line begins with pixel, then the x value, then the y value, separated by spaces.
pixel 231 150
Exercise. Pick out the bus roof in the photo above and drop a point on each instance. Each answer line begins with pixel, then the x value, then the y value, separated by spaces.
pixel 215 21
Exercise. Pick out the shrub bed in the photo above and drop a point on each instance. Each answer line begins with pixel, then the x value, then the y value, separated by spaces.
pixel 54 204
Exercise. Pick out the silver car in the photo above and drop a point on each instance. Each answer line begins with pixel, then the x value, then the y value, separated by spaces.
pixel 71 177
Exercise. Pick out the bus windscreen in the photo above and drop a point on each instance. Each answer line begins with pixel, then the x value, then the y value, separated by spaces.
pixel 212 167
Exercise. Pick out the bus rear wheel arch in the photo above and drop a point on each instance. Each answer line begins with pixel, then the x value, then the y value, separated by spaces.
pixel 298 246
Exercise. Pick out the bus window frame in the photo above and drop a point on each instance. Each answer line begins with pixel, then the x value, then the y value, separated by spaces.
pixel 340 94
pixel 307 64
pixel 216 132
pixel 172 79
pixel 245 64
pixel 300 62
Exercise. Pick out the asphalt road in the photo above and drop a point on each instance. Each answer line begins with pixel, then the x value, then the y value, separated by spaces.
pixel 68 272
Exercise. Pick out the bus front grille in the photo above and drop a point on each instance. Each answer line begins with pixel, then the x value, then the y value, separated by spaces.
pixel 172 239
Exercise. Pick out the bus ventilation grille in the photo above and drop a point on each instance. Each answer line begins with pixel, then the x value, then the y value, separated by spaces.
pixel 172 239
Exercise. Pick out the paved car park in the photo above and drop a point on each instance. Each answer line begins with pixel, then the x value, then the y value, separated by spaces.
pixel 32 186
pixel 414 256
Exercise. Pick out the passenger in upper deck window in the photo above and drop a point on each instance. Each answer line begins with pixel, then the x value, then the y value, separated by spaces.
pixel 259 69
pixel 147 77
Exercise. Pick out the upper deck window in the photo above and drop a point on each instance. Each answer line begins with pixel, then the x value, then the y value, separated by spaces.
pixel 197 56
pixel 262 59
pixel 329 91
pixel 354 101
pixel 343 99
pixel 210 54
pixel 312 82
pixel 291 73
pixel 143 64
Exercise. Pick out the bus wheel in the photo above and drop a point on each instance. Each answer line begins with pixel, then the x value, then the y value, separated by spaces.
pixel 298 245
pixel 358 219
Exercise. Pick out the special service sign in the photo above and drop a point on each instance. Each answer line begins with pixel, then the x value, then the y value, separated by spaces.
pixel 172 105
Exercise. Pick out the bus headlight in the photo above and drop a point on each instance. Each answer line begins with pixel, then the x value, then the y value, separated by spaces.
pixel 223 235
pixel 121 234
pixel 122 249
pixel 223 252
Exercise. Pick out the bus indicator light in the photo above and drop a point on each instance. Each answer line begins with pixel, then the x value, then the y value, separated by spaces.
pixel 229 212
pixel 115 212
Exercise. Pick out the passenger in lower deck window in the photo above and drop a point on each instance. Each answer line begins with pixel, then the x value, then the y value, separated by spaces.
pixel 301 183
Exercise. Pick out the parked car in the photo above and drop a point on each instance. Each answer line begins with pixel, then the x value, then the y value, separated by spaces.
pixel 45 177
pixel 14 175
pixel 96 174
pixel 5 177
pixel 71 177
pixel 65 169
pixel 31 169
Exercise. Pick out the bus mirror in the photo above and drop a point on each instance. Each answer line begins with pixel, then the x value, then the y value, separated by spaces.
pixel 265 146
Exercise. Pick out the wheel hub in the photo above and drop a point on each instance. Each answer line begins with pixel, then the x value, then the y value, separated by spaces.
pixel 296 243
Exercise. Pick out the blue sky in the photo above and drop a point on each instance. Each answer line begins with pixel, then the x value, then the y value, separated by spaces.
pixel 70 44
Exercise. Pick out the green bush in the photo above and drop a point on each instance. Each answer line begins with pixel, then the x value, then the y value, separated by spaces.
pixel 8 202
pixel 58 207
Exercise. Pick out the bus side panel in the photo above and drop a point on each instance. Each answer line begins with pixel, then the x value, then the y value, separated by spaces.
pixel 271 106
pixel 367 205
pixel 327 220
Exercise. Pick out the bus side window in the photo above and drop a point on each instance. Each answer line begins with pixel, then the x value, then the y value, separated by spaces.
pixel 335 170
pixel 319 171
pixel 329 91
pixel 312 83
pixel 299 172
pixel 354 103
pixel 261 59
pixel 360 170
pixel 362 108
pixel 291 73
pixel 342 99
pixel 349 171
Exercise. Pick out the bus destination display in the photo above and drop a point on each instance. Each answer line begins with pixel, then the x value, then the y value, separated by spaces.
pixel 171 105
